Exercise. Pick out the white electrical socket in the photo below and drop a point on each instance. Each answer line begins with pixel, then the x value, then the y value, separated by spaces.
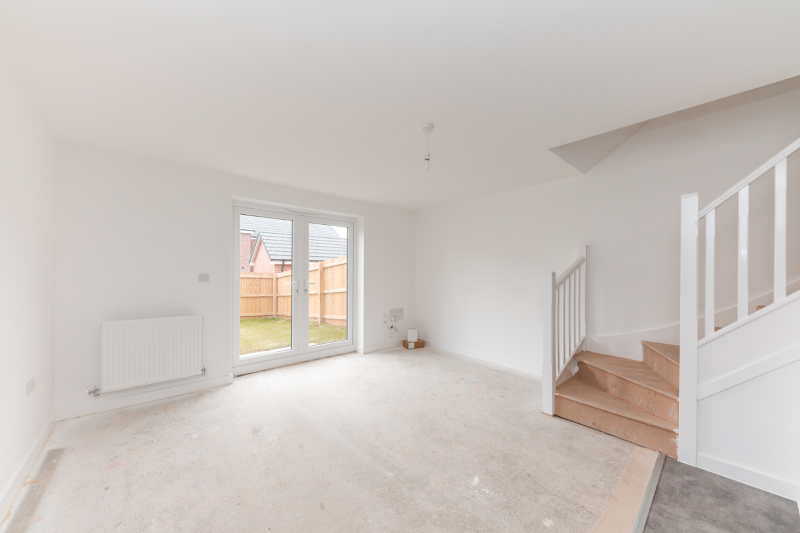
pixel 203 278
pixel 31 385
pixel 396 314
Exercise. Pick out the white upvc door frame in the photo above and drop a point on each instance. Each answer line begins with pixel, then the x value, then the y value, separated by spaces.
pixel 300 350
pixel 253 361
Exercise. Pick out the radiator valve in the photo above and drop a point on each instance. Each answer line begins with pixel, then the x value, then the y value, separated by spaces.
pixel 94 392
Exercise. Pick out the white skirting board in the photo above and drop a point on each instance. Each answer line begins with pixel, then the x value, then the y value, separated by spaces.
pixel 629 346
pixel 754 478
pixel 19 476
pixel 380 346
pixel 506 369
pixel 99 405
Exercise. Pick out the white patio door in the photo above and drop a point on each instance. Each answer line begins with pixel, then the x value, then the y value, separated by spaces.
pixel 293 288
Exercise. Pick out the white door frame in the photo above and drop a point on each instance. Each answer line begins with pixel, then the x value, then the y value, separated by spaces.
pixel 300 350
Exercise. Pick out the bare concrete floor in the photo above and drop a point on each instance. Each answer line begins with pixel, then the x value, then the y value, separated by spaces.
pixel 394 441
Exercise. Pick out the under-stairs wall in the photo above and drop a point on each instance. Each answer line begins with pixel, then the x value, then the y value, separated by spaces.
pixel 748 413
pixel 629 345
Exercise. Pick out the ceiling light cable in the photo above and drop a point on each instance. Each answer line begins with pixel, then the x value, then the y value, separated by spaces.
pixel 427 129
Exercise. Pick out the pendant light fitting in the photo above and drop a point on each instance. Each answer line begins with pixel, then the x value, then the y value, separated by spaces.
pixel 427 128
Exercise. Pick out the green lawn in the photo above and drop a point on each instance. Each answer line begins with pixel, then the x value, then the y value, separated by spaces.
pixel 264 334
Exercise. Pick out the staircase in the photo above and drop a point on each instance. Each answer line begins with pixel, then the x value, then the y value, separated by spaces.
pixel 633 400
pixel 753 360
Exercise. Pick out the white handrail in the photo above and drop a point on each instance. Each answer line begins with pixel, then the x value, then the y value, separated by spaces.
pixel 570 269
pixel 753 176
pixel 565 324
pixel 742 189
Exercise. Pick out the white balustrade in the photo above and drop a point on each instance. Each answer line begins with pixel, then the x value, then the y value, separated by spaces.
pixel 742 191
pixel 565 323
pixel 690 221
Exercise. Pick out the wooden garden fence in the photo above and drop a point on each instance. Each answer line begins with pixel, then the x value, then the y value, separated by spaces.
pixel 269 294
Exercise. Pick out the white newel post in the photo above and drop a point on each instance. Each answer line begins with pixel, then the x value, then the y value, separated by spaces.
pixel 583 251
pixel 548 369
pixel 687 437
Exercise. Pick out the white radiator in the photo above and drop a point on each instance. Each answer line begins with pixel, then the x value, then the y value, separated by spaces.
pixel 140 352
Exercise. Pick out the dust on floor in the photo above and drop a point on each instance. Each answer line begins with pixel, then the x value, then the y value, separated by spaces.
pixel 393 441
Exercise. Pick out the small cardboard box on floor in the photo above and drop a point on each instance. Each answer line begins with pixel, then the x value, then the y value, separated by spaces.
pixel 419 343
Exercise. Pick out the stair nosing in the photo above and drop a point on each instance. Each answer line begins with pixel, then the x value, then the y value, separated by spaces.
pixel 668 358
pixel 628 417
pixel 629 380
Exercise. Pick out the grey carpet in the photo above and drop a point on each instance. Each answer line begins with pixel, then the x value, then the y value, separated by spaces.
pixel 691 499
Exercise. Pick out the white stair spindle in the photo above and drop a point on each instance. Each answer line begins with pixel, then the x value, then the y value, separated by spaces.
pixel 564 319
pixel 568 307
pixel 572 320
pixel 560 325
pixel 575 334
pixel 556 342
pixel 744 215
pixel 578 299
pixel 780 231
pixel 575 322
pixel 566 324
pixel 710 232
pixel 583 251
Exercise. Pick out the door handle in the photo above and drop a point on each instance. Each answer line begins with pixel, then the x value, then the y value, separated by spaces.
pixel 309 283
pixel 294 284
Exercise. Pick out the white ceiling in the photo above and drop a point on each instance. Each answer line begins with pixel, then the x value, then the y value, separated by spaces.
pixel 331 96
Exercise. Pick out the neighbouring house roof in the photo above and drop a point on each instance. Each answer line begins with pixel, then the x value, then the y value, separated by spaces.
pixel 276 236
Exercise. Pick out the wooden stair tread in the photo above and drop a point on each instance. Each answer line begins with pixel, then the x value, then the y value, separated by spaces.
pixel 581 392
pixel 670 351
pixel 633 371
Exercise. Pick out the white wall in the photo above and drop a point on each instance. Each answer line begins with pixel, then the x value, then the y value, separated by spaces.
pixel 26 289
pixel 133 234
pixel 751 432
pixel 480 262
pixel 748 427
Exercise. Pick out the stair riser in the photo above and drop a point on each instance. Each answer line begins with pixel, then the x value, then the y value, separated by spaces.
pixel 666 368
pixel 618 426
pixel 642 397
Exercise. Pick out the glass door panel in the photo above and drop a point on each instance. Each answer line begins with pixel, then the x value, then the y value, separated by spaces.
pixel 328 278
pixel 293 290
pixel 267 281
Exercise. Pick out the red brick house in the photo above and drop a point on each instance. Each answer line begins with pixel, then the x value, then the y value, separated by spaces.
pixel 265 244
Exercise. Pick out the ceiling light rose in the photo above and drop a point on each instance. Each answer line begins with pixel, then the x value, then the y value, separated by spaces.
pixel 427 128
